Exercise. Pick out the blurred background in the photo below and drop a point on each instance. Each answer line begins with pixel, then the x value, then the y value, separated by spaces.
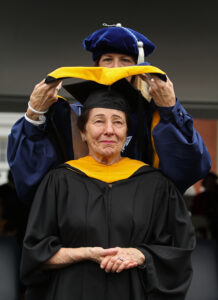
pixel 40 36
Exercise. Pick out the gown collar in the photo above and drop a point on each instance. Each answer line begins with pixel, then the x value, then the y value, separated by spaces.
pixel 107 173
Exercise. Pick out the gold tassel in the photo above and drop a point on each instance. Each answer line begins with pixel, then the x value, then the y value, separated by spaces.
pixel 143 87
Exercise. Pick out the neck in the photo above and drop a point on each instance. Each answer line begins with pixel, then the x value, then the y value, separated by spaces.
pixel 105 159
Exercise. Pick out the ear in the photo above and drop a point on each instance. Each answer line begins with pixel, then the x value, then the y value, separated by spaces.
pixel 83 137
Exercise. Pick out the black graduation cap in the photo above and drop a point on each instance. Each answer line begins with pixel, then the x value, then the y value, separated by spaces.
pixel 121 95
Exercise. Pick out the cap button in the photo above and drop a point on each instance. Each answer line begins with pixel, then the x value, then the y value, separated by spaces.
pixel 140 44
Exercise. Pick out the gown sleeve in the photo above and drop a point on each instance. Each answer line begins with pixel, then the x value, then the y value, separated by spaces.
pixel 168 270
pixel 34 150
pixel 183 155
pixel 42 239
pixel 30 155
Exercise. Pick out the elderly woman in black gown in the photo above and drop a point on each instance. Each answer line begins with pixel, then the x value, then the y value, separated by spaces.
pixel 105 226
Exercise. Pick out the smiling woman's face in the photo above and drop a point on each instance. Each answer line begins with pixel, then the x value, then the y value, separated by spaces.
pixel 105 132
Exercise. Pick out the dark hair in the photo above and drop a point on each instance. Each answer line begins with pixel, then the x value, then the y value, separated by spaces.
pixel 83 119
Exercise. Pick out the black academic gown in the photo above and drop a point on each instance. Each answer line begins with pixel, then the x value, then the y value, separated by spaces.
pixel 73 210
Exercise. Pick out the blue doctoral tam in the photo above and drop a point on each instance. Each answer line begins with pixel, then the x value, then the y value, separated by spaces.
pixel 117 39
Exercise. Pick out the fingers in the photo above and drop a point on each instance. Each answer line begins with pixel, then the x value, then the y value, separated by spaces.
pixel 56 85
pixel 110 251
pixel 125 258
pixel 44 95
pixel 161 91
pixel 45 87
pixel 125 266
pixel 98 254
pixel 105 255
pixel 105 262
pixel 147 78
pixel 152 79
pixel 111 264
pixel 116 259
pixel 115 264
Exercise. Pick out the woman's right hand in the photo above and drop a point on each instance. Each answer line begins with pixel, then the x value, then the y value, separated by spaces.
pixel 97 254
pixel 42 97
pixel 67 256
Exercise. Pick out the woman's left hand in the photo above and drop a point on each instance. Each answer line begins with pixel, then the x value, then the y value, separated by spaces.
pixel 125 258
pixel 161 91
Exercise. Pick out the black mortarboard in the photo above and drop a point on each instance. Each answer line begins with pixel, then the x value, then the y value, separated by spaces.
pixel 121 95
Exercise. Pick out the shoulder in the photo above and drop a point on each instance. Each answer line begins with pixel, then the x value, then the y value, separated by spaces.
pixel 155 177
pixel 58 174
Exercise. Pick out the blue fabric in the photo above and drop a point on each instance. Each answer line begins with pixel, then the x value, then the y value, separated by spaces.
pixel 116 40
pixel 180 146
pixel 31 152
pixel 183 155
pixel 30 155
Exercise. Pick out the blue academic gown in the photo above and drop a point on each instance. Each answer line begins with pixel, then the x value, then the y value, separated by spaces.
pixel 183 157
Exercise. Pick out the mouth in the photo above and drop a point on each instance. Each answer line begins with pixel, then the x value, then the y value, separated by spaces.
pixel 107 142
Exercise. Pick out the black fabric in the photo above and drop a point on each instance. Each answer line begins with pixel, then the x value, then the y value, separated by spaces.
pixel 140 147
pixel 14 211
pixel 106 98
pixel 144 211
pixel 59 132
pixel 143 135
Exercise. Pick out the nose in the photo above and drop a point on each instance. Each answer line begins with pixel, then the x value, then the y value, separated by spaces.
pixel 109 129
pixel 115 63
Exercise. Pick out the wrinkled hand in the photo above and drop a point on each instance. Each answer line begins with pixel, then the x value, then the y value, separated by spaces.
pixel 43 96
pixel 97 254
pixel 125 258
pixel 161 91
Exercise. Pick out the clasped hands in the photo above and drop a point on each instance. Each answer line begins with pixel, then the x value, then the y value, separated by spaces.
pixel 116 259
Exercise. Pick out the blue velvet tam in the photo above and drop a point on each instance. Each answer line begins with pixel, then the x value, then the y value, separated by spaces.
pixel 118 39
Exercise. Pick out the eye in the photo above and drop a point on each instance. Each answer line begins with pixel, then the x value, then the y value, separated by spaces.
pixel 99 121
pixel 127 60
pixel 106 59
pixel 118 123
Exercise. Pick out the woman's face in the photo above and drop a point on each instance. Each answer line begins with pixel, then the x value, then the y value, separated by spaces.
pixel 105 132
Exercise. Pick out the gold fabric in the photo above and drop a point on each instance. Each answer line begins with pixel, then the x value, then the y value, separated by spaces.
pixel 107 173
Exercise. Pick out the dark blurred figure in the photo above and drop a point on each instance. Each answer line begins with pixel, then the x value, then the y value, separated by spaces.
pixel 13 220
pixel 205 208
pixel 13 213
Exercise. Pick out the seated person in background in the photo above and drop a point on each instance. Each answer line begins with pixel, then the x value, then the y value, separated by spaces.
pixel 104 214
pixel 38 143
